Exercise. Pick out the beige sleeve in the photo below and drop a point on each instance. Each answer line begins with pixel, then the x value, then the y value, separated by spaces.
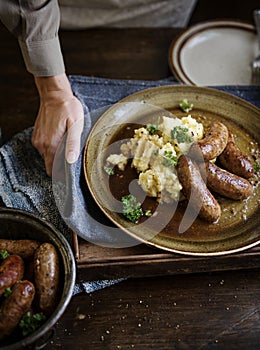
pixel 35 23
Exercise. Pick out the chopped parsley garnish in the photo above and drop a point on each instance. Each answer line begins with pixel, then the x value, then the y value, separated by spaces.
pixel 7 292
pixel 185 105
pixel 169 159
pixel 180 134
pixel 132 209
pixel 256 167
pixel 109 170
pixel 30 323
pixel 148 213
pixel 152 128
pixel 4 254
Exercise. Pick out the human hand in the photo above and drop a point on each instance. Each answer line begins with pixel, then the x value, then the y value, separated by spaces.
pixel 60 112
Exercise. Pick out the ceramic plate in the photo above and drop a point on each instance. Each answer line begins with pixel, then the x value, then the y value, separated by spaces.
pixel 214 53
pixel 238 227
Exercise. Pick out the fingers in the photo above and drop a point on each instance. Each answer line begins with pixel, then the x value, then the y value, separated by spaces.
pixel 49 163
pixel 46 150
pixel 73 141
pixel 55 120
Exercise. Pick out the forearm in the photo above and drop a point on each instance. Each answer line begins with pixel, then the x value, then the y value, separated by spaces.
pixel 54 88
pixel 35 24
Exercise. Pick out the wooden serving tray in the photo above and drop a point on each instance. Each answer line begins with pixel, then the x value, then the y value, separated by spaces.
pixel 95 262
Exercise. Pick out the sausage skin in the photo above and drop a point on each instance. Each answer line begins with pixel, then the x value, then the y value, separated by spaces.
pixel 11 270
pixel 25 248
pixel 233 160
pixel 227 184
pixel 212 145
pixel 46 277
pixel 15 306
pixel 195 189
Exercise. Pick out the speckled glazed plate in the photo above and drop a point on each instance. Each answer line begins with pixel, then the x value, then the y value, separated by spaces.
pixel 212 53
pixel 239 225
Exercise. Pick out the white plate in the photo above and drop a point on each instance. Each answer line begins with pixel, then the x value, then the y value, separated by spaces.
pixel 214 53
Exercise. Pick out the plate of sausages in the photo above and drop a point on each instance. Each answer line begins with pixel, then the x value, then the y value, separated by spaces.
pixel 177 168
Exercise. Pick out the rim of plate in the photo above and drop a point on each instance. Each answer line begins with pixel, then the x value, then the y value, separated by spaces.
pixel 176 46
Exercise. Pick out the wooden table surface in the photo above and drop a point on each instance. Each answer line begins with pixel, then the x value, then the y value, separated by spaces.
pixel 217 310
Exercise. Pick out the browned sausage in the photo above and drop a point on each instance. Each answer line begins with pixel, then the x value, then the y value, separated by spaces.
pixel 15 306
pixel 233 160
pixel 212 144
pixel 11 270
pixel 227 184
pixel 46 277
pixel 194 188
pixel 25 248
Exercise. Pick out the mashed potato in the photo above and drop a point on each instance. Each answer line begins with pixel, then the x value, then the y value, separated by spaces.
pixel 155 156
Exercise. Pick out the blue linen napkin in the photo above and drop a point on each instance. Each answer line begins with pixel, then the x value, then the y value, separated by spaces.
pixel 25 185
